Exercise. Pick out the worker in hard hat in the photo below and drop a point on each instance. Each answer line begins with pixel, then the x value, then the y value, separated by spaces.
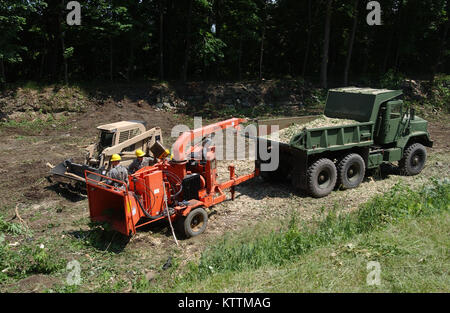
pixel 140 162
pixel 117 172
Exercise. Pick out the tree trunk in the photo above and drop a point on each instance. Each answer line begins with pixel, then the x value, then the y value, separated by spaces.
pixel 326 45
pixel 131 61
pixel 188 43
pixel 240 58
pixel 218 4
pixel 2 71
pixel 262 41
pixel 63 46
pixel 66 78
pixel 442 47
pixel 41 69
pixel 350 45
pixel 111 64
pixel 161 40
pixel 386 55
pixel 308 41
pixel 398 27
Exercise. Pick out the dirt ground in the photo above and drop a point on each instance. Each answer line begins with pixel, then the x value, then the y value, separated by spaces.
pixel 60 217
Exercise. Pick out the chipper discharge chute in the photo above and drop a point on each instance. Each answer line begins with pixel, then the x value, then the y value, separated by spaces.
pixel 178 189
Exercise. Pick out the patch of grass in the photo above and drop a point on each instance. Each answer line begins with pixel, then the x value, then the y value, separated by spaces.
pixel 27 260
pixel 285 246
pixel 51 98
pixel 412 256
pixel 37 125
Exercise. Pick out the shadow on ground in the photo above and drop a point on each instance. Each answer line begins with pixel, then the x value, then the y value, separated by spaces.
pixel 67 191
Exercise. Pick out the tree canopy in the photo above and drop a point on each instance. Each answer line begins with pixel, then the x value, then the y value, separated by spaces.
pixel 221 40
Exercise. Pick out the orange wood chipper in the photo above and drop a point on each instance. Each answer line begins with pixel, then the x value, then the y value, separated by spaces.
pixel 179 189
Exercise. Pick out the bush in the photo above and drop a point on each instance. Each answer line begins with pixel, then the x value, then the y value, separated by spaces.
pixel 27 261
pixel 392 80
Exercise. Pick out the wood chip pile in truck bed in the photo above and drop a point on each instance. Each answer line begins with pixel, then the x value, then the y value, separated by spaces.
pixel 287 133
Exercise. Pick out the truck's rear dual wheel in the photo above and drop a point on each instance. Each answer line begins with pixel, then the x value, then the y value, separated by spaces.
pixel 413 160
pixel 321 178
pixel 351 170
pixel 193 224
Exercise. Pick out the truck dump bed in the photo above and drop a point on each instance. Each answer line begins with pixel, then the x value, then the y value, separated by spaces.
pixel 315 134
pixel 348 121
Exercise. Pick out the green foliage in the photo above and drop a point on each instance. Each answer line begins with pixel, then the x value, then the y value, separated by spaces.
pixel 210 48
pixel 392 80
pixel 280 247
pixel 12 228
pixel 141 284
pixel 128 35
pixel 68 52
pixel 27 260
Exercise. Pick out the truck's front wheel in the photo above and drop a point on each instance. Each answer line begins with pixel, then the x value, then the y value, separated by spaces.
pixel 321 177
pixel 351 170
pixel 413 160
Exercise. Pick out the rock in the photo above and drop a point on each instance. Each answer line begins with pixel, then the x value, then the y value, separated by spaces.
pixel 150 275
pixel 159 105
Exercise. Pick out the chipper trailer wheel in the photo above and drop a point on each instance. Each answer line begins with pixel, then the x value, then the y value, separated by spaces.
pixel 321 177
pixel 351 170
pixel 413 160
pixel 194 223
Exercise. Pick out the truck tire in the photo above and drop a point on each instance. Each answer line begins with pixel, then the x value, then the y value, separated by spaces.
pixel 194 223
pixel 321 178
pixel 413 160
pixel 351 170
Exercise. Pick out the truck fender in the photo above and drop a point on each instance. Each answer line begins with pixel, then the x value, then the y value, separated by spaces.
pixel 420 137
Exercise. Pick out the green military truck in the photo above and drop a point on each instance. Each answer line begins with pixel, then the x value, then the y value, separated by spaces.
pixel 318 159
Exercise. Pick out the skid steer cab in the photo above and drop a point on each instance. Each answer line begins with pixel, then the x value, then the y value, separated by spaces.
pixel 115 138
pixel 177 189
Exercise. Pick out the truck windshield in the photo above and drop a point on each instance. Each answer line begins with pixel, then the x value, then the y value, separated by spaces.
pixel 106 139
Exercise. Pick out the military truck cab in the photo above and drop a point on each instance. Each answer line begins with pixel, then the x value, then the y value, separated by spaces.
pixel 395 125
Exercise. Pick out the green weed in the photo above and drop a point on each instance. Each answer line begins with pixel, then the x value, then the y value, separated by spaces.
pixel 27 260
pixel 285 245
pixel 12 228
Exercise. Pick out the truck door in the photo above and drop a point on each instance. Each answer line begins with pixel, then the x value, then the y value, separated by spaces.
pixel 392 119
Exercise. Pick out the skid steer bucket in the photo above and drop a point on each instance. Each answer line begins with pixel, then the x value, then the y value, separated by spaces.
pixel 70 170
pixel 113 205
